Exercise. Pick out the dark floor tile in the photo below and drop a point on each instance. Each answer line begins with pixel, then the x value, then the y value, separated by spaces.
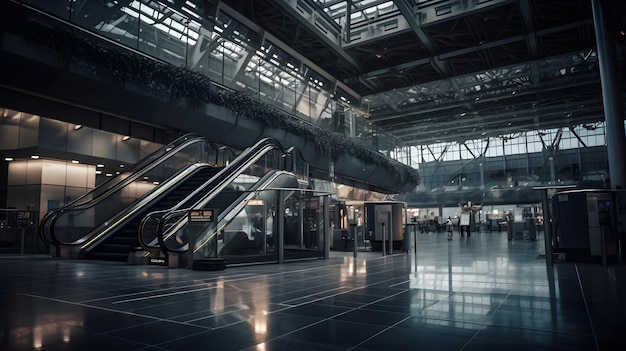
pixel 318 310
pixel 335 333
pixel 224 339
pixel 286 344
pixel 548 343
pixel 378 318
pixel 522 317
pixel 274 325
pixel 400 339
pixel 539 338
pixel 156 332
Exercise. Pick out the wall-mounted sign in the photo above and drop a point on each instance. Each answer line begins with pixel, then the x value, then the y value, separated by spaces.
pixel 201 216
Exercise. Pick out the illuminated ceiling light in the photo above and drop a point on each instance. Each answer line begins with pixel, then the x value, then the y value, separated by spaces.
pixel 78 126
pixel 98 172
pixel 155 183
pixel 75 161
pixel 145 178
pixel 379 55
pixel 8 159
pixel 513 93
pixel 126 137
pixel 122 166
pixel 34 157
pixel 117 173
pixel 109 174
pixel 99 165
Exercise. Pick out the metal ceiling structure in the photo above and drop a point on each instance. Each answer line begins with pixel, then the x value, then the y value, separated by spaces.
pixel 432 71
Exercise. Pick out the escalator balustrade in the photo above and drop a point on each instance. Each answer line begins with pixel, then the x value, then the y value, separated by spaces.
pixel 124 240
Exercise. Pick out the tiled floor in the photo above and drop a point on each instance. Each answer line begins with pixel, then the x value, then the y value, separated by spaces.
pixel 477 293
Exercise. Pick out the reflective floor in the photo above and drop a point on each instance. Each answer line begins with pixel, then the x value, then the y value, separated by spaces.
pixel 478 293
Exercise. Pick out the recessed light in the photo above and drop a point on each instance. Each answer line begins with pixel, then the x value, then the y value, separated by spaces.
pixel 78 126
pixel 34 157
pixel 8 159
pixel 99 165
pixel 98 172
pixel 121 166
pixel 126 137
pixel 75 161
pixel 109 174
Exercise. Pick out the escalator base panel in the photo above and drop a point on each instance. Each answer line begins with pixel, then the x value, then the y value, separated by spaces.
pixel 209 264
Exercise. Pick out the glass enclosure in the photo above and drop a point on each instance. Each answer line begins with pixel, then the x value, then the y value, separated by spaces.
pixel 256 231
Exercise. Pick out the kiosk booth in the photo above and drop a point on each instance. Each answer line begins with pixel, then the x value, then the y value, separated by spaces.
pixel 385 222
pixel 588 223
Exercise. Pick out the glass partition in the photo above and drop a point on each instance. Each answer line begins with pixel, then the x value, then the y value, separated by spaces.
pixel 250 171
pixel 250 232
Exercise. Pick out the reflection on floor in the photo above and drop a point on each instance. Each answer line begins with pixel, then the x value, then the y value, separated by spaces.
pixel 476 293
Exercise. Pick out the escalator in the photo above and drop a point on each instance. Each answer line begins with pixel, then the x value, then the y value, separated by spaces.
pixel 106 223
pixel 124 239
pixel 219 238
pixel 90 226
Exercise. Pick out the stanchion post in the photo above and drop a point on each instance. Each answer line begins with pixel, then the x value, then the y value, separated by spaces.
pixel 384 248
pixel 415 238
pixel 354 238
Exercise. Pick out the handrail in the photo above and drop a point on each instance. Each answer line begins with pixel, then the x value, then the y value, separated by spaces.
pixel 111 185
pixel 225 216
pixel 143 167
pixel 103 230
pixel 213 186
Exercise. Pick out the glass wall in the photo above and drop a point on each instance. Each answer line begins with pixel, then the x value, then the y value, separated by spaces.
pixel 186 34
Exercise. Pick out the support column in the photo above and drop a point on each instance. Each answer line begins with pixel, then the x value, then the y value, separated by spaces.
pixel 607 57
pixel 326 225
pixel 279 235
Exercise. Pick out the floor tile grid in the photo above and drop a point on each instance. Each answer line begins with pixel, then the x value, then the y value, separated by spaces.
pixel 392 265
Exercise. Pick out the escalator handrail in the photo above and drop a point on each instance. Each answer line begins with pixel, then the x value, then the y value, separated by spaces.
pixel 193 195
pixel 98 234
pixel 111 185
pixel 214 186
pixel 166 152
pixel 236 206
